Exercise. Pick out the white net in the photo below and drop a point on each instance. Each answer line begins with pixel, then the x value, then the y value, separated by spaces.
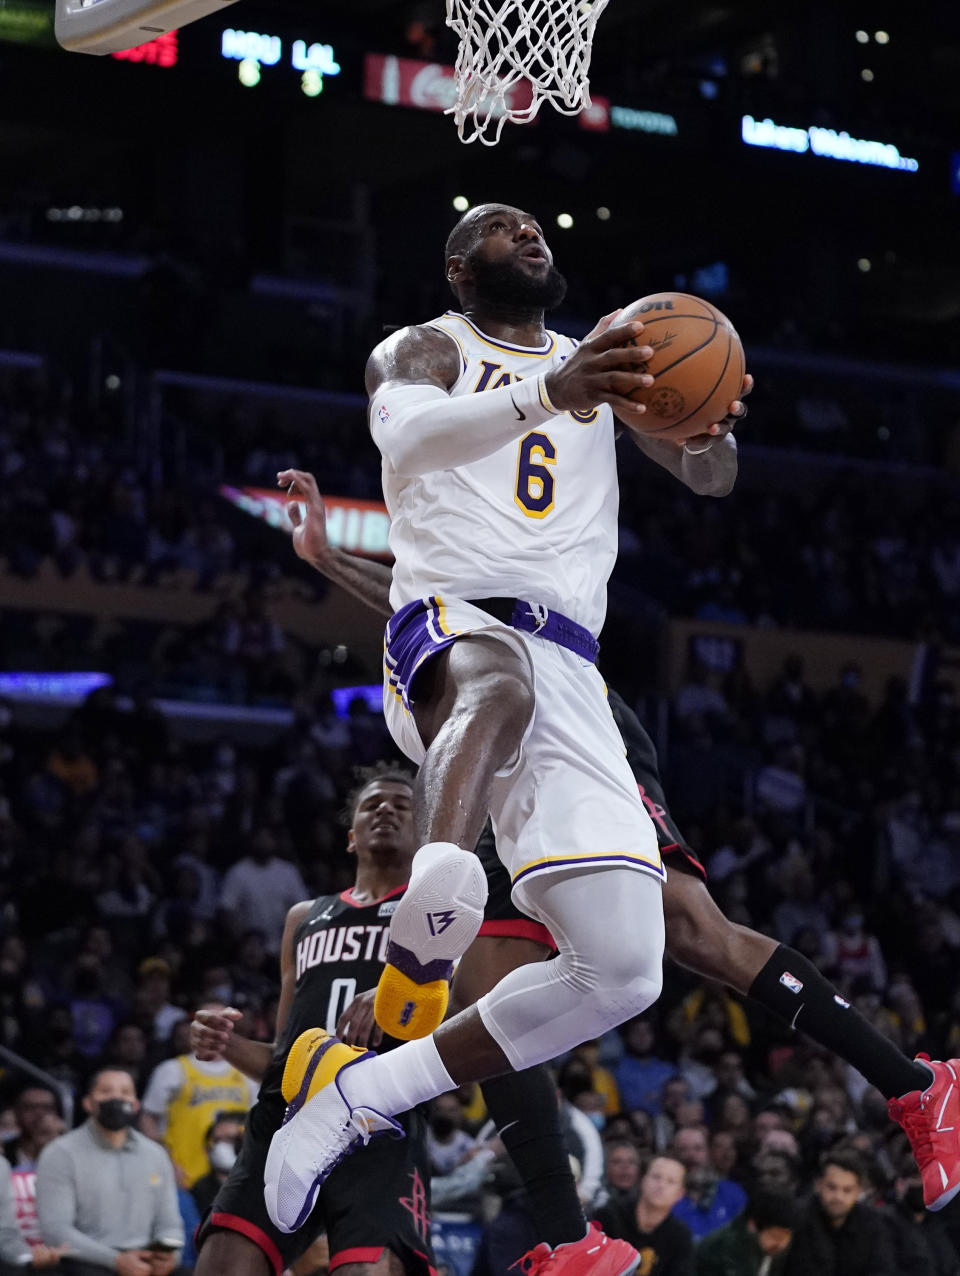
pixel 517 54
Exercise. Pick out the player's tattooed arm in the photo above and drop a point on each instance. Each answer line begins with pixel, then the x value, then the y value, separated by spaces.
pixel 706 463
pixel 712 472
pixel 420 427
pixel 414 356
pixel 365 579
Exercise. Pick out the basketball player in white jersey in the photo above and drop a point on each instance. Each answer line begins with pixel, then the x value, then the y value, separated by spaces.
pixel 499 473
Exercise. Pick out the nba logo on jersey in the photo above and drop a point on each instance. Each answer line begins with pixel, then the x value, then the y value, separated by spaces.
pixel 790 982
pixel 383 414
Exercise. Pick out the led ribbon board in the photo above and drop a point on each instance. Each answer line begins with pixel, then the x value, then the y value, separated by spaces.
pixel 360 527
pixel 825 142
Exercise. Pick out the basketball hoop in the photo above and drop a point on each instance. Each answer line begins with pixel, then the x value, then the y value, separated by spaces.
pixel 540 46
pixel 109 26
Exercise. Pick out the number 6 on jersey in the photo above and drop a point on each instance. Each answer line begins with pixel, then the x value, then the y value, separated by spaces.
pixel 535 482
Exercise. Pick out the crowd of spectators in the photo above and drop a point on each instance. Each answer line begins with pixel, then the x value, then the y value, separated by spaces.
pixel 143 876
pixel 877 553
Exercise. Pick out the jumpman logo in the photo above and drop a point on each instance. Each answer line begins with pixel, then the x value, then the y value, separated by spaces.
pixel 416 1204
pixel 439 922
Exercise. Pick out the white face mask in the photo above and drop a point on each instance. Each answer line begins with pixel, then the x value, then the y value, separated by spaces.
pixel 223 1156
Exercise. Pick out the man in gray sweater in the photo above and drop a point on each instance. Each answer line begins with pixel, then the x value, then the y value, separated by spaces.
pixel 107 1192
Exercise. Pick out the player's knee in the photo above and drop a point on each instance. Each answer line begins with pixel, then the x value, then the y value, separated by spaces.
pixel 626 969
pixel 227 1253
pixel 622 981
pixel 635 972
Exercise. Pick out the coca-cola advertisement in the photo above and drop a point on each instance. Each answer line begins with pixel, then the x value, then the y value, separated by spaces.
pixel 429 86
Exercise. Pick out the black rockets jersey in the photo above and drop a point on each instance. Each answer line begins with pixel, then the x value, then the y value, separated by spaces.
pixel 339 951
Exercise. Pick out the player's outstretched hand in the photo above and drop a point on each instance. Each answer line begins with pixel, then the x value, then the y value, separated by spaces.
pixel 210 1032
pixel 357 1026
pixel 736 412
pixel 310 527
pixel 604 368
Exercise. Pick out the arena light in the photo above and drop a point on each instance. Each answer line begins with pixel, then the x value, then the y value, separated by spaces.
pixel 827 143
pixel 626 117
pixel 564 221
pixel 107 26
pixel 248 73
pixel 163 51
pixel 343 697
pixel 51 686
pixel 460 203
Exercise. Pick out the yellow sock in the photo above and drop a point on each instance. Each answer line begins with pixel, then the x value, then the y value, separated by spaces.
pixel 408 1010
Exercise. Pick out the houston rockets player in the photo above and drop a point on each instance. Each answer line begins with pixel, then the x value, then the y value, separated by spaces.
pixel 374 1210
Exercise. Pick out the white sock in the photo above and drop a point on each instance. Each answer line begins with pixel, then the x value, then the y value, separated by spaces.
pixel 399 1080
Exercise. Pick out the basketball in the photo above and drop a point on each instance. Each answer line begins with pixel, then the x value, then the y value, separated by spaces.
pixel 697 365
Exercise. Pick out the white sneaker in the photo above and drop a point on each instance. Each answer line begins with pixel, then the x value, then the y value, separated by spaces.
pixel 319 1129
pixel 434 924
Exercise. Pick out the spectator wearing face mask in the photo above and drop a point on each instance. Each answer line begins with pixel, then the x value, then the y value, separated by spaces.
pixel 576 1084
pixel 107 1192
pixel 223 1145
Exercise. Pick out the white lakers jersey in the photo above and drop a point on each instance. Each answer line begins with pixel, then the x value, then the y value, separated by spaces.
pixel 536 519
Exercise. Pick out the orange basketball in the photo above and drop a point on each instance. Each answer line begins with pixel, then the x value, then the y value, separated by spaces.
pixel 697 363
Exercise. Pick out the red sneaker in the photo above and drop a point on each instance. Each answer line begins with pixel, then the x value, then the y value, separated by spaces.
pixel 931 1121
pixel 595 1255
